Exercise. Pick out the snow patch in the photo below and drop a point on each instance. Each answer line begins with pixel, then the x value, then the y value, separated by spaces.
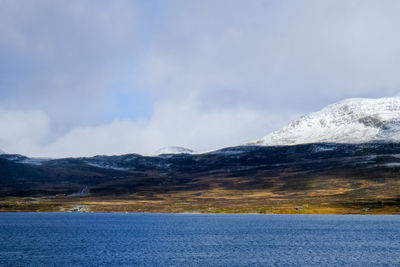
pixel 174 150
pixel 322 148
pixel 392 164
pixel 34 161
pixel 388 165
pixel 105 166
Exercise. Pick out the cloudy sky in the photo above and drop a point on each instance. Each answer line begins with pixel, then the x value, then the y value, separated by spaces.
pixel 82 77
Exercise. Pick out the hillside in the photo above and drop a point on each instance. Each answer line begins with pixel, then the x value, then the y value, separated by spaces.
pixel 310 178
pixel 342 159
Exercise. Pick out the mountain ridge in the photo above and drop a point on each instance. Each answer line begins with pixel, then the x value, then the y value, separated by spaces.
pixel 263 177
pixel 309 178
pixel 353 121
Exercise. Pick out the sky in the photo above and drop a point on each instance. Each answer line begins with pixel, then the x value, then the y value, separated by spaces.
pixel 99 77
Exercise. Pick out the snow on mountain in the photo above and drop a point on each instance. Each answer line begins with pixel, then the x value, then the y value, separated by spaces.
pixel 349 121
pixel 2 152
pixel 34 161
pixel 173 150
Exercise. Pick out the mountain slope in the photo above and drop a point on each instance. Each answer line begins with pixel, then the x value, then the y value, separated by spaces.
pixel 310 178
pixel 350 121
pixel 345 168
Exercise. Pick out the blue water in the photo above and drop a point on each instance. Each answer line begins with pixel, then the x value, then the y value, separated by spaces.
pixel 73 239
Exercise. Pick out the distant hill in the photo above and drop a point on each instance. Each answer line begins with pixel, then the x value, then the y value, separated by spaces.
pixel 342 159
pixel 310 178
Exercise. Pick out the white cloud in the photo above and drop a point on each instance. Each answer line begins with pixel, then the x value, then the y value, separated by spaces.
pixel 23 131
pixel 283 55
pixel 181 124
pixel 64 57
pixel 218 72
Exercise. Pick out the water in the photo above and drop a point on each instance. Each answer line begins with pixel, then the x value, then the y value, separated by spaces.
pixel 71 239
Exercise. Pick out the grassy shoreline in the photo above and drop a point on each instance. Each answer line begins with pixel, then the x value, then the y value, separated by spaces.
pixel 200 206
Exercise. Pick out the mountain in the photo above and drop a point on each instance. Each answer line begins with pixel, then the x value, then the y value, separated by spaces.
pixel 174 150
pixel 350 121
pixel 350 163
pixel 309 178
pixel 2 152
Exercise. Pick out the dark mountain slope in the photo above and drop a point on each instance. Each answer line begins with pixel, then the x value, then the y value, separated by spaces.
pixel 343 173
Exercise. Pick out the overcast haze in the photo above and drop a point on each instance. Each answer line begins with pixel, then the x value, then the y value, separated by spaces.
pixel 80 78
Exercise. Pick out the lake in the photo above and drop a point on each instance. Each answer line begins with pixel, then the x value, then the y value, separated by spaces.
pixel 89 239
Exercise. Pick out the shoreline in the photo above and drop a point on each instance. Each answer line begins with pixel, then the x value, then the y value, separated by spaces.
pixel 199 213
pixel 211 204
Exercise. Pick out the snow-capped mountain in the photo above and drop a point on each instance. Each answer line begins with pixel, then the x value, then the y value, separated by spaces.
pixel 2 152
pixel 173 150
pixel 349 121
